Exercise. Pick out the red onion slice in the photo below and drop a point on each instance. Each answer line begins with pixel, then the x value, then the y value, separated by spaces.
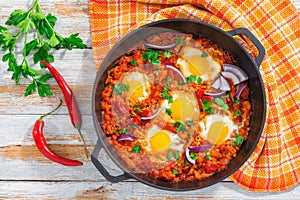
pixel 241 87
pixel 200 148
pixel 231 76
pixel 163 47
pixel 215 95
pixel 178 71
pixel 216 84
pixel 153 116
pixel 125 138
pixel 236 70
pixel 225 86
pixel 188 157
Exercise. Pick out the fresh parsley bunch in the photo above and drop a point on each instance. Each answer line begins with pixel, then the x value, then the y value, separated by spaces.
pixel 40 27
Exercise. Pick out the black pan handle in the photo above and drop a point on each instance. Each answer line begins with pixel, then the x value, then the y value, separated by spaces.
pixel 254 40
pixel 102 170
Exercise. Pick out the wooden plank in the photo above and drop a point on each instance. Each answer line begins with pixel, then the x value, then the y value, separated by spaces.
pixel 126 190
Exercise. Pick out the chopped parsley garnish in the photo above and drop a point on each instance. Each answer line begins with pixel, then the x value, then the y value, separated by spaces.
pixel 208 157
pixel 137 108
pixel 206 104
pixel 169 80
pixel 237 113
pixel 151 56
pixel 136 149
pixel 166 94
pixel 204 54
pixel 199 80
pixel 238 140
pixel 133 62
pixel 220 102
pixel 190 123
pixel 167 54
pixel 170 155
pixel 119 88
pixel 181 83
pixel 193 156
pixel 157 70
pixel 191 78
pixel 175 171
pixel 168 111
pixel 235 101
pixel 124 131
pixel 179 41
pixel 177 155
pixel 180 126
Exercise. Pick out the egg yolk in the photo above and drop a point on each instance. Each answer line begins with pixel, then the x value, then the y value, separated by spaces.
pixel 136 89
pixel 217 132
pixel 160 141
pixel 181 109
pixel 198 65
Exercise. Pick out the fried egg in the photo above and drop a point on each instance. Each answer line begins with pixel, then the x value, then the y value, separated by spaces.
pixel 139 86
pixel 183 108
pixel 194 61
pixel 159 140
pixel 217 128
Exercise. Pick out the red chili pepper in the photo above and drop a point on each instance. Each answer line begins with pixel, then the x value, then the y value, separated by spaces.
pixel 73 108
pixel 42 146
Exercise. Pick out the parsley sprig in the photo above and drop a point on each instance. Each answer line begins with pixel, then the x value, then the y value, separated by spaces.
pixel 40 27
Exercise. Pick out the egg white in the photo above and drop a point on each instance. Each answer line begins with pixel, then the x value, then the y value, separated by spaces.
pixel 184 64
pixel 189 98
pixel 142 81
pixel 176 143
pixel 206 123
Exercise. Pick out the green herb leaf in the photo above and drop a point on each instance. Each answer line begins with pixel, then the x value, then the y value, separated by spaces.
pixel 31 46
pixel 180 126
pixel 166 94
pixel 119 88
pixel 26 25
pixel 193 156
pixel 220 102
pixel 181 83
pixel 191 78
pixel 169 80
pixel 208 157
pixel 151 56
pixel 73 41
pixel 199 80
pixel 238 140
pixel 136 149
pixel 178 41
pixel 175 171
pixel 177 155
pixel 44 89
pixel 235 101
pixel 133 62
pixel 204 54
pixel 168 111
pixel 237 113
pixel 137 108
pixel 16 17
pixel 30 89
pixel 170 155
pixel 190 123
pixel 33 24
pixel 167 54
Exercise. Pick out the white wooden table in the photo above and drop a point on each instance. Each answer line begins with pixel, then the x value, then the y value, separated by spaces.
pixel 26 174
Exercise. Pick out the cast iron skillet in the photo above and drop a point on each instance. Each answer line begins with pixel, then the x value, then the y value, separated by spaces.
pixel 229 44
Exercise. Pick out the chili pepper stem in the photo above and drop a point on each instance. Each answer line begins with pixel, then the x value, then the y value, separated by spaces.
pixel 52 111
pixel 78 127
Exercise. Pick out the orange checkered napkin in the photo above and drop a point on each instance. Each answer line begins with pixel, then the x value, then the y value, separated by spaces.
pixel 275 163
